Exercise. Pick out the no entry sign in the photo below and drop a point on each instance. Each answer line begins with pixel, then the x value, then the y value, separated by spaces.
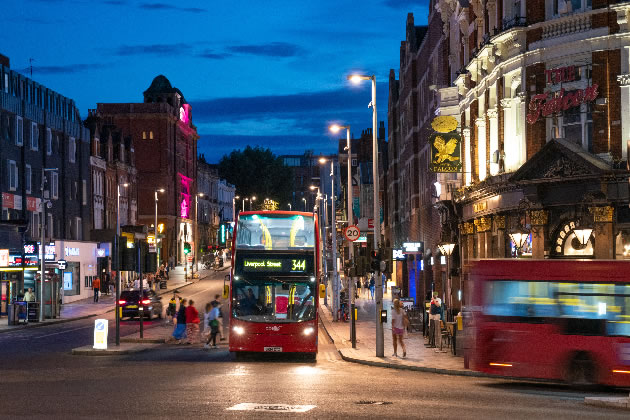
pixel 352 233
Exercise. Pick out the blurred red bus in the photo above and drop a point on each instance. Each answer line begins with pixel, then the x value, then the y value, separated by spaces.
pixel 552 319
pixel 274 283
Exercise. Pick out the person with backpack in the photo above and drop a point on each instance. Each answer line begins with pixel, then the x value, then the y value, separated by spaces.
pixel 213 322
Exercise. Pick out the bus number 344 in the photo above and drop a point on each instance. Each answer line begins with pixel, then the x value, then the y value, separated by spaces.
pixel 298 265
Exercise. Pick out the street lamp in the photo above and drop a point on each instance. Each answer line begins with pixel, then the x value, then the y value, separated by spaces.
pixel 125 185
pixel 304 199
pixel 157 249
pixel 244 200
pixel 446 249
pixel 42 277
pixel 289 206
pixel 333 233
pixel 236 197
pixel 519 237
pixel 250 202
pixel 196 240
pixel 351 284
pixel 380 344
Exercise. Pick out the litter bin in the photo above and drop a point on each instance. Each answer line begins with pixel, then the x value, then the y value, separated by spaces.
pixel 33 311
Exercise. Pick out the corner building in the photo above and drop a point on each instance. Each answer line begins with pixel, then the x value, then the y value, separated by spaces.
pixel 540 90
pixel 165 148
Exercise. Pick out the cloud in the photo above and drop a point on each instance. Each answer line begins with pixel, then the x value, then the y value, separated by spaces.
pixel 166 6
pixel 405 4
pixel 63 69
pixel 153 49
pixel 272 49
pixel 212 55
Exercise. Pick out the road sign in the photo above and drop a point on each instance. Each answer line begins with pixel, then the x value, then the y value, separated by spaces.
pixel 352 233
pixel 100 334
pixel 190 258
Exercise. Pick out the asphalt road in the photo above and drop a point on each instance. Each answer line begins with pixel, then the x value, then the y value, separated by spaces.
pixel 40 378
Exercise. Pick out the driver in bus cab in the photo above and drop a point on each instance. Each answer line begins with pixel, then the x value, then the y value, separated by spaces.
pixel 249 303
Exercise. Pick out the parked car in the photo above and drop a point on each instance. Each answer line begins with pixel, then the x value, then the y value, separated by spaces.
pixel 130 303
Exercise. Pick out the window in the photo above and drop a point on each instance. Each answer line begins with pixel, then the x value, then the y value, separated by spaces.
pixel 19 131
pixel 54 185
pixel 50 226
pixel 34 137
pixel 151 135
pixel 48 142
pixel 12 175
pixel 79 229
pixel 35 232
pixel 144 135
pixel 6 83
pixel 27 178
pixel 354 162
pixel 72 150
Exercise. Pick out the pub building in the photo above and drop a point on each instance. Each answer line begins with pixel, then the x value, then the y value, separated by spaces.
pixel 543 111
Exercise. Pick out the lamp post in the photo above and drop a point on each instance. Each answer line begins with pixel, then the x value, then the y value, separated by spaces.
pixel 42 277
pixel 250 202
pixel 192 272
pixel 446 248
pixel 236 197
pixel 244 200
pixel 333 233
pixel 289 206
pixel 351 284
pixel 304 199
pixel 377 212
pixel 118 262
pixel 157 249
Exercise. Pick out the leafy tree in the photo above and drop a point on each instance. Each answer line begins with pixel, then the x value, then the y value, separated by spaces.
pixel 258 172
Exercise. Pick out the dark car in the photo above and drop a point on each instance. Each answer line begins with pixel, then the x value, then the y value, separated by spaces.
pixel 130 303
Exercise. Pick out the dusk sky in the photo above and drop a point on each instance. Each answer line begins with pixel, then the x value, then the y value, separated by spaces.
pixel 258 72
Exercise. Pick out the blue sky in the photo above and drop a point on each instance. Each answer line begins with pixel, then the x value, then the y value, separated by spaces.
pixel 258 72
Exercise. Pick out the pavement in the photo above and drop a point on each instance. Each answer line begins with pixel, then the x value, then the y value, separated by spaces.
pixel 86 308
pixel 419 357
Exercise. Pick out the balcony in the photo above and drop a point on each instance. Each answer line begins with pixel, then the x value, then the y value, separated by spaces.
pixel 566 26
pixel 10 103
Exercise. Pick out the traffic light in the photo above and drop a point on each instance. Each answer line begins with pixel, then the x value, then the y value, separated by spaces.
pixel 376 261
pixel 187 248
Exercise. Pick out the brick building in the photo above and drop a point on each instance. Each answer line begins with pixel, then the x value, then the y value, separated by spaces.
pixel 165 148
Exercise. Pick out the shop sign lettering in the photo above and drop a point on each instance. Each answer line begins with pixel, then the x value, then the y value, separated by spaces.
pixel 548 103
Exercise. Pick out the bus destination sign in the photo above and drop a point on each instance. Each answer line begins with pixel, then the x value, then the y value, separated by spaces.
pixel 290 265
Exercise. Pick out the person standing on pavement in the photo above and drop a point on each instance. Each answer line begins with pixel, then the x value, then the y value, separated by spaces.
pixel 372 286
pixel 96 285
pixel 171 310
pixel 399 324
pixel 192 323
pixel 29 296
pixel 179 333
pixel 434 318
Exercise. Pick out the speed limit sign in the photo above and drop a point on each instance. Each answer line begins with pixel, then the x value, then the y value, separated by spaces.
pixel 352 233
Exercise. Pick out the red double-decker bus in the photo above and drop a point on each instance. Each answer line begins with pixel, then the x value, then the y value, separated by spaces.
pixel 559 320
pixel 274 283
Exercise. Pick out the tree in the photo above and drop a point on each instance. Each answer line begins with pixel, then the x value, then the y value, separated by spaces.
pixel 258 172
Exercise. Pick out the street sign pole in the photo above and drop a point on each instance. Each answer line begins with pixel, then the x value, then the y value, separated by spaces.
pixel 352 233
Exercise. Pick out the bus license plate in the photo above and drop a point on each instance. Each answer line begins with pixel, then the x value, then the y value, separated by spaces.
pixel 274 349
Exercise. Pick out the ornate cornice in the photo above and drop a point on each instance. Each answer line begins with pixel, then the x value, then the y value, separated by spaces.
pixel 602 214
pixel 492 113
pixel 499 222
pixel 624 79
pixel 480 122
pixel 484 224
pixel 506 102
pixel 466 133
pixel 538 217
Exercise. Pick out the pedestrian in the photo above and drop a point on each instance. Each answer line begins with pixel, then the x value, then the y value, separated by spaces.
pixel 366 287
pixel 179 333
pixel 384 277
pixel 29 296
pixel 192 323
pixel 399 325
pixel 171 309
pixel 96 285
pixel 136 284
pixel 166 270
pixel 214 326
pixel 358 287
pixel 434 320
pixel 218 304
pixel 372 286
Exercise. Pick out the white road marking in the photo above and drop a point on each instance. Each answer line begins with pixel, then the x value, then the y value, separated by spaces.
pixel 284 408
pixel 195 294
pixel 63 332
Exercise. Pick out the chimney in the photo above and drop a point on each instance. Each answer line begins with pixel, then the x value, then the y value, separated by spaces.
pixel 381 130
pixel 4 60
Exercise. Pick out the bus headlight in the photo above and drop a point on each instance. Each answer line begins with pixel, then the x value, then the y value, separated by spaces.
pixel 239 330
pixel 308 331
